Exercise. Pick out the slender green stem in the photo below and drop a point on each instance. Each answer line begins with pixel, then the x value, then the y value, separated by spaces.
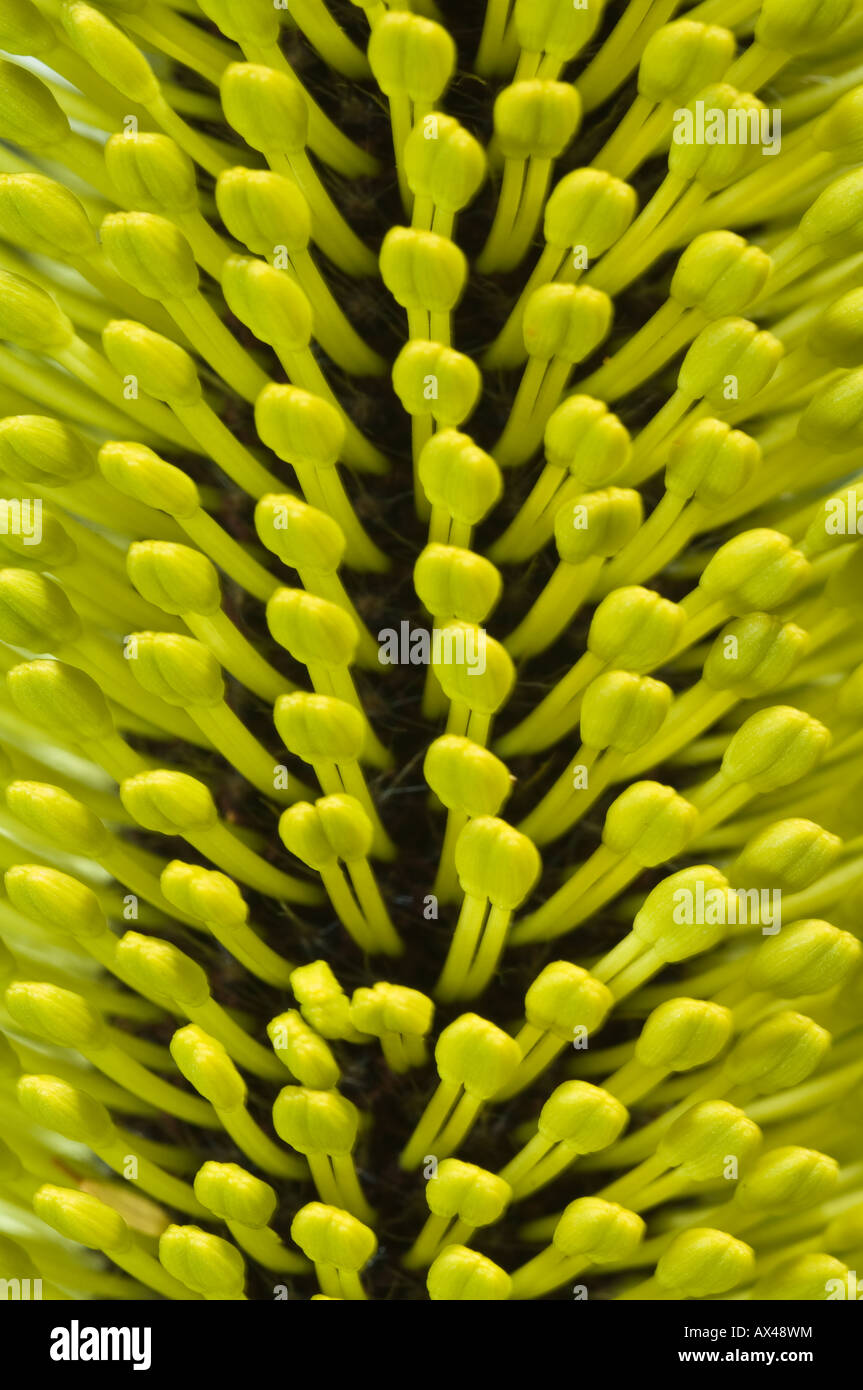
pixel 248 1136
pixel 236 859
pixel 236 653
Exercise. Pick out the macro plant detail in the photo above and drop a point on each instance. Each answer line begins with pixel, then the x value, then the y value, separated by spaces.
pixel 431 628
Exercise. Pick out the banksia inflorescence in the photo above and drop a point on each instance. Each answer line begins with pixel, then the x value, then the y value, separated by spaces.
pixel 431 624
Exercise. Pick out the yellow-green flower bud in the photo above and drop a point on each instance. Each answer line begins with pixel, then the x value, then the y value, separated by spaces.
pixel 422 270
pixel 34 611
pixel 589 208
pixel 452 581
pixel 43 451
pixel 206 1065
pixel 40 214
pixel 161 367
pixel 323 1002
pixel 833 419
pixel 255 26
pixel 495 861
pixel 30 317
pixel 796 26
pixel 55 900
pixel 303 537
pixel 634 628
pixel 755 570
pixel 330 1236
pixel 109 51
pixel 667 920
pixel 564 999
pixel 459 477
pixel 232 1194
pixel 82 1218
pixel 444 162
pixel 565 321
pixel 597 523
pixel 24 30
pixel 788 855
pixel 777 1053
pixel 265 107
pixel 263 210
pixel 845 1231
pixel 834 221
pixel 268 302
pixel 806 957
pixel 466 777
pixel 754 654
pixel 473 1053
pixel 545 26
pixel 837 333
pixel 175 578
pixel 299 427
pixel 463 1192
pixel 303 1051
pixel 151 254
pixel 55 548
pixel 204 1263
pixel 650 822
pixel 683 1033
pixel 157 967
pixel 472 667
pixel 152 173
pixel 775 747
pixel 30 115
pixel 720 274
pixel 713 166
pixel 411 55
pixel 57 696
pixel 315 1122
pixel 599 1231
pixel 786 1180
pixel 623 711
pixel 389 1008
pixel 314 630
pixel 335 827
pixel 536 118
pixel 700 1143
pixel 430 379
pixel 179 670
pixel 62 819
pixel 837 131
pixel 731 359
pixel 204 893
pixel 703 1263
pixel 319 727
pixel 711 462
pixel 584 437
pixel 806 1279
pixel 171 803
pixel 56 1015
pixel 584 1117
pixel 54 1104
pixel 462 1275
pixel 680 59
